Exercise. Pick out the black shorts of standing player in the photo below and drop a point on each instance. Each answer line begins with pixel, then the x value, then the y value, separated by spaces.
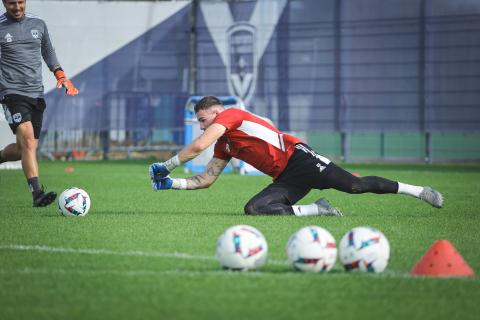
pixel 308 170
pixel 19 109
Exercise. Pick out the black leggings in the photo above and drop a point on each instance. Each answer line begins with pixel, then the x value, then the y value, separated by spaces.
pixel 301 175
pixel 342 180
pixel 278 198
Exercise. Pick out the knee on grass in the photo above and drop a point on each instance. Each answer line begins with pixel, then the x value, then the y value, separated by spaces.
pixel 254 209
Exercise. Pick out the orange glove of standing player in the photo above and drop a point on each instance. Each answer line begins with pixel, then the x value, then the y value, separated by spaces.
pixel 63 81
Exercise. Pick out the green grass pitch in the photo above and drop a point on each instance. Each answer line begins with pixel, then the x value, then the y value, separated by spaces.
pixel 145 255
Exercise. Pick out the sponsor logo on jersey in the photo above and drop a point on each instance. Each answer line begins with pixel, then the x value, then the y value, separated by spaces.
pixel 35 33
pixel 8 37
pixel 17 117
pixel 227 147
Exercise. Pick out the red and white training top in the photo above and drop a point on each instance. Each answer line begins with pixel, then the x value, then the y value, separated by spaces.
pixel 255 141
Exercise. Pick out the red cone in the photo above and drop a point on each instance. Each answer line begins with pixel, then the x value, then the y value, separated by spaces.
pixel 442 260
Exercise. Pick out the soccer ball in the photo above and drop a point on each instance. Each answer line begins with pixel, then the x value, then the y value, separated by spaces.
pixel 74 202
pixel 242 247
pixel 312 249
pixel 364 249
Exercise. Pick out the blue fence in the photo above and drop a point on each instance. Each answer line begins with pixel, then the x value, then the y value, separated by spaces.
pixel 337 66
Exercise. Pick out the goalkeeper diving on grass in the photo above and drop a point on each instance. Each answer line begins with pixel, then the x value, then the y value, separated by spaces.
pixel 294 166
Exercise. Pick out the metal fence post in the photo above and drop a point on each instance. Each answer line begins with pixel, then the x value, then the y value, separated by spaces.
pixel 192 88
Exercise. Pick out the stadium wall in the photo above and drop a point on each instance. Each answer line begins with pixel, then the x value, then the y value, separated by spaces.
pixel 362 80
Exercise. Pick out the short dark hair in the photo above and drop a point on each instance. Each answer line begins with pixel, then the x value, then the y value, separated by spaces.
pixel 207 102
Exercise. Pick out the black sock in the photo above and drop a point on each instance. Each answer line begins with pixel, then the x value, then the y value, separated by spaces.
pixel 34 186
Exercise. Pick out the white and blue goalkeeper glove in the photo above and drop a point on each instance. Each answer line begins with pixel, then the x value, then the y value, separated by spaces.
pixel 159 174
pixel 162 183
pixel 158 170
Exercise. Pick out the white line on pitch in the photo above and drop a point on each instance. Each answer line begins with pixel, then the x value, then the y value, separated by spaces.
pixel 132 273
pixel 175 255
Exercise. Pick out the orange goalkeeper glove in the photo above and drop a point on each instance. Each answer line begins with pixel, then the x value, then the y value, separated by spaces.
pixel 63 81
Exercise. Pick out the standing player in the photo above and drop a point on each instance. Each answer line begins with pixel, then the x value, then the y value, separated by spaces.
pixel 294 166
pixel 24 41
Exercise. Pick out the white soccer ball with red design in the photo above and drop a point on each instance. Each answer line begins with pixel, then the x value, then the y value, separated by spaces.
pixel 242 247
pixel 364 249
pixel 74 202
pixel 312 249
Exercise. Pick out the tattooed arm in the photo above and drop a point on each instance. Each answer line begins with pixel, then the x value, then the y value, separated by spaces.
pixel 204 180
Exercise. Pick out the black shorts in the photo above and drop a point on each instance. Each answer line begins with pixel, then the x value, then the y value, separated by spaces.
pixel 307 169
pixel 19 109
